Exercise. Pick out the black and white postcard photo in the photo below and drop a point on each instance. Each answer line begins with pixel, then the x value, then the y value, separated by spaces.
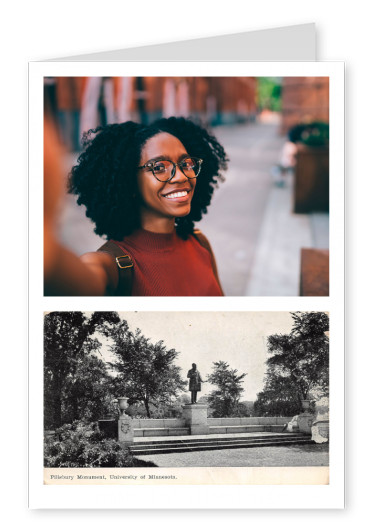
pixel 185 389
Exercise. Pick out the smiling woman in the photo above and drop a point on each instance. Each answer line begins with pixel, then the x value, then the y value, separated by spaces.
pixel 144 187
pixel 169 194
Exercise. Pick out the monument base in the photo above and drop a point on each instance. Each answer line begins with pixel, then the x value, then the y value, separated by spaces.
pixel 196 418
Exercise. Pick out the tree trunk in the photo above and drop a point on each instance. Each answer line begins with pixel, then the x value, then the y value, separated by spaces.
pixel 57 409
pixel 75 408
pixel 146 403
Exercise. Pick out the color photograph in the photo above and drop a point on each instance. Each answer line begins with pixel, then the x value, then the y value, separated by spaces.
pixel 186 186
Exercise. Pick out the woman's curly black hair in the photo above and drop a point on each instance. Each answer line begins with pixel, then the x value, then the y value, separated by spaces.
pixel 105 177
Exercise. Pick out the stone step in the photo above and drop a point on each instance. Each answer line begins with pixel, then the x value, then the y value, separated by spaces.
pixel 213 442
pixel 211 439
pixel 177 448
pixel 176 431
pixel 251 428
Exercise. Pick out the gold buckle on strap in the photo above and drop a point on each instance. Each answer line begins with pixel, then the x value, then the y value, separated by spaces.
pixel 125 266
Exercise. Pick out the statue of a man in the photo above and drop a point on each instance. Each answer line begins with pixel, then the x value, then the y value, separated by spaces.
pixel 194 382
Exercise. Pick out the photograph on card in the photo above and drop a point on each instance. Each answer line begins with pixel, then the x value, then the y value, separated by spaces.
pixel 186 186
pixel 241 391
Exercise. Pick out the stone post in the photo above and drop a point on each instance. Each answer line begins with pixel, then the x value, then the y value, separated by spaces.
pixel 305 419
pixel 320 425
pixel 196 418
pixel 125 424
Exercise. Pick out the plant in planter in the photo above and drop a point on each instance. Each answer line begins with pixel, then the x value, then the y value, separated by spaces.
pixel 310 134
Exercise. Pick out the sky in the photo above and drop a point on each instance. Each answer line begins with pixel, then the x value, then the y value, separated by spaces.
pixel 238 338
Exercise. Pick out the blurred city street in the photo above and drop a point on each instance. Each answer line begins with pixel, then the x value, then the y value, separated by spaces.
pixel 254 234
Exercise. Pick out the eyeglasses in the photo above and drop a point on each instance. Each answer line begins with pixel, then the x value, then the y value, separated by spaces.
pixel 165 170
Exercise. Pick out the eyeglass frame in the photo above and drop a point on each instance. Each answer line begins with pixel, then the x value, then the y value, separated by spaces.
pixel 173 171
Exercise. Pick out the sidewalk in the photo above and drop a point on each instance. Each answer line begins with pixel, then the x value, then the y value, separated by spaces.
pixel 238 207
pixel 276 266
pixel 255 235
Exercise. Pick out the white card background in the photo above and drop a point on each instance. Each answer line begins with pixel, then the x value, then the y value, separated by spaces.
pixel 199 496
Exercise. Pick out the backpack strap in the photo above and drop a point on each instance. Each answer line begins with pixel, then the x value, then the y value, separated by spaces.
pixel 124 266
pixel 204 242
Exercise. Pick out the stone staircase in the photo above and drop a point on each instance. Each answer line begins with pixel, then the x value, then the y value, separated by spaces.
pixel 165 444
pixel 199 433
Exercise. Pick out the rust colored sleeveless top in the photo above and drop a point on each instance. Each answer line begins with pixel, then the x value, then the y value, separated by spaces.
pixel 166 265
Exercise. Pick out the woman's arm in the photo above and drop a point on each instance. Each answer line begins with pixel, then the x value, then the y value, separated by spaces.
pixel 67 274
pixel 64 272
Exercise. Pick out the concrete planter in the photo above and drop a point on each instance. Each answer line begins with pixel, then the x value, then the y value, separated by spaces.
pixel 122 404
pixel 311 185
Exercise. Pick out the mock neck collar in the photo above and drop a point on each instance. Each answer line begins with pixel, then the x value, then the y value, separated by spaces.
pixel 153 241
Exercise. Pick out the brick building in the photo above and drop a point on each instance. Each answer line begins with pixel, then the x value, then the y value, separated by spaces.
pixel 304 100
pixel 219 100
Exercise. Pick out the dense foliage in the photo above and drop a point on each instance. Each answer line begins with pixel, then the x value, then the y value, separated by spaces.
pixel 269 92
pixel 224 400
pixel 172 409
pixel 298 367
pixel 82 445
pixel 146 372
pixel 76 382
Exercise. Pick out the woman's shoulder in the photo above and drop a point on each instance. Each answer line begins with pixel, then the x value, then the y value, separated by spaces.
pixel 202 240
pixel 116 250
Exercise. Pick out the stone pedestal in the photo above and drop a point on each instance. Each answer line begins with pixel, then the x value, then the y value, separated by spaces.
pixel 320 425
pixel 196 418
pixel 125 424
pixel 125 431
pixel 305 422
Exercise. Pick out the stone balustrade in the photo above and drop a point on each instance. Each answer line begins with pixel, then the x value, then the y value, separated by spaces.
pixel 194 422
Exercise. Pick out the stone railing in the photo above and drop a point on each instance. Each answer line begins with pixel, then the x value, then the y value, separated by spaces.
pixel 195 421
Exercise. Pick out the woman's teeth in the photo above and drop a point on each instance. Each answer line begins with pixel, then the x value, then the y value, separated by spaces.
pixel 176 194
